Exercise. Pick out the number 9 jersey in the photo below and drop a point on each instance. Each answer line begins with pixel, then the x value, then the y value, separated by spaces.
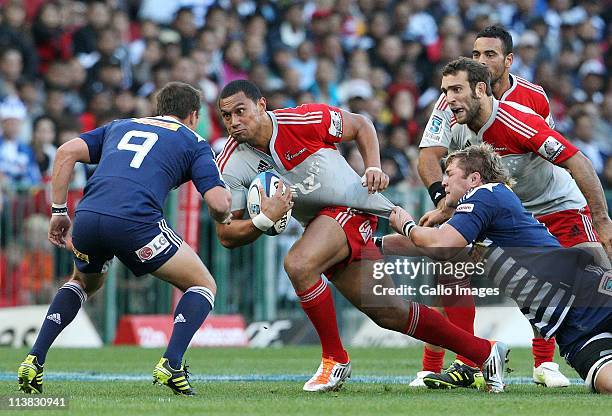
pixel 139 161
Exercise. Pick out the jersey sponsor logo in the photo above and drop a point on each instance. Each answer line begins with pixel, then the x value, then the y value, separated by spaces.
pixel 335 125
pixel 155 246
pixel 365 229
pixel 465 208
pixel 79 255
pixel 158 123
pixel 551 149
pixel 290 156
pixel 436 125
pixel 263 166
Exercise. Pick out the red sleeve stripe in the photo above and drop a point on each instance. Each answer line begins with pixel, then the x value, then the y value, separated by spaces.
pixel 441 104
pixel 530 86
pixel 299 115
pixel 527 83
pixel 228 149
pixel 515 124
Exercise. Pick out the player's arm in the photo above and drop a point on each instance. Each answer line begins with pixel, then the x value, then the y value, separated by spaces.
pixel 583 173
pixel 433 147
pixel 219 202
pixel 244 231
pixel 360 129
pixel 555 148
pixel 439 243
pixel 76 150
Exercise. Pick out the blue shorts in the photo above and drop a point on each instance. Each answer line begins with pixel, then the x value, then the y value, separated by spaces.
pixel 142 247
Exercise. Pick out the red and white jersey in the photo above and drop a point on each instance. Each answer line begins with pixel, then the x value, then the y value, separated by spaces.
pixel 438 129
pixel 303 152
pixel 531 150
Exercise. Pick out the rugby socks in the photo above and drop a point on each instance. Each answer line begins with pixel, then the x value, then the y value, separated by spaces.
pixel 318 303
pixel 430 326
pixel 190 313
pixel 63 309
pixel 460 310
pixel 543 351
pixel 433 360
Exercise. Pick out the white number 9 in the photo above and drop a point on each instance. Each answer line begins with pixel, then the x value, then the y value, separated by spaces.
pixel 140 149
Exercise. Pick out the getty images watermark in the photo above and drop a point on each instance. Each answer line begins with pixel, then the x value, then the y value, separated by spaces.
pixel 453 278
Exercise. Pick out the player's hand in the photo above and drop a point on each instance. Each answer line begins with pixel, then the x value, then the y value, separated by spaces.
pixel 58 229
pixel 277 205
pixel 604 231
pixel 435 217
pixel 398 218
pixel 375 180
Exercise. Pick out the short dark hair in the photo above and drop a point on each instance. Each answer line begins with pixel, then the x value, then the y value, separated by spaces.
pixel 177 99
pixel 241 85
pixel 476 72
pixel 500 33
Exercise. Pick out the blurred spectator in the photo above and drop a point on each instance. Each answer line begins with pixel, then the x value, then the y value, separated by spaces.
pixel 584 139
pixel 15 33
pixel 51 41
pixel 18 167
pixel 84 40
pixel 11 67
pixel 44 132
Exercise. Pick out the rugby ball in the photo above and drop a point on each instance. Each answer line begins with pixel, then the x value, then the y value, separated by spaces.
pixel 269 182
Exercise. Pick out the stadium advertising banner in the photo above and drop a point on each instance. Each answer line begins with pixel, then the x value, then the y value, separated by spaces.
pixel 153 331
pixel 20 325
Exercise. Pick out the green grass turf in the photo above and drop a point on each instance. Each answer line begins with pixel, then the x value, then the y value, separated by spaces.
pixel 265 398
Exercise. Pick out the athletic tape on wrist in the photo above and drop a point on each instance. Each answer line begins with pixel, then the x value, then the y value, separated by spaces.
pixel 436 192
pixel 262 222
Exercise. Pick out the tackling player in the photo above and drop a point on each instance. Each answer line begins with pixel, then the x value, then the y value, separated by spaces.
pixel 562 291
pixel 331 202
pixel 551 194
pixel 139 161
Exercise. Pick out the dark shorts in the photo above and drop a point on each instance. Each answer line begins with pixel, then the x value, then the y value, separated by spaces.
pixel 595 353
pixel 142 247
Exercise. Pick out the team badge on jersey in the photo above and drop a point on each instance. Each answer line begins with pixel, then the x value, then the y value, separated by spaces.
pixel 335 125
pixel 436 125
pixel 155 246
pixel 551 149
pixel 605 286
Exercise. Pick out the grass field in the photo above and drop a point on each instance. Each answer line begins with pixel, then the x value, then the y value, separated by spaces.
pixel 117 381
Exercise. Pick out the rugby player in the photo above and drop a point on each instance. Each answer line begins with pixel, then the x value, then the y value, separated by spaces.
pixel 493 48
pixel 337 209
pixel 121 214
pixel 562 291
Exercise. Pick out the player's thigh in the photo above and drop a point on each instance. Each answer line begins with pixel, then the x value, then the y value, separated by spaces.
pixel 185 269
pixel 322 245
pixel 89 250
pixel 603 382
pixel 372 295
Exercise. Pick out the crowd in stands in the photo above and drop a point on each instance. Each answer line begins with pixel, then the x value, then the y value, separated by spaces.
pixel 69 66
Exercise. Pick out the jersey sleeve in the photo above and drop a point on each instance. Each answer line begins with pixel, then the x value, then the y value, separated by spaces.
pixel 95 140
pixel 204 170
pixel 474 214
pixel 238 191
pixel 438 129
pixel 331 125
pixel 546 142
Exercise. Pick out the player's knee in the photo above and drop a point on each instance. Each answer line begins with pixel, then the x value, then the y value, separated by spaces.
pixel 297 267
pixel 89 285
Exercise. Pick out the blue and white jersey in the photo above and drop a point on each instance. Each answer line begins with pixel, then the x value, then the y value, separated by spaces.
pixel 493 211
pixel 527 262
pixel 139 161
